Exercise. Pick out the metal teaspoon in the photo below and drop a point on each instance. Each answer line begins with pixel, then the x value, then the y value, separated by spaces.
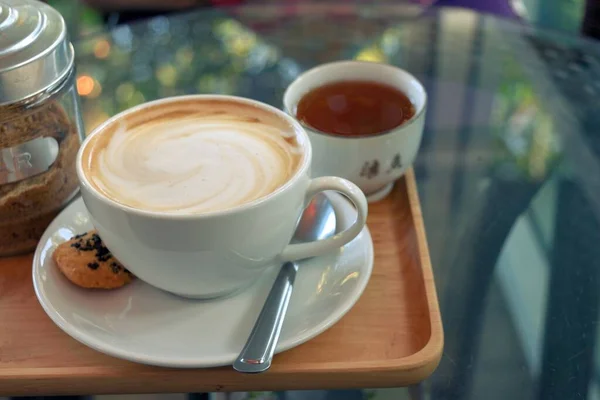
pixel 317 222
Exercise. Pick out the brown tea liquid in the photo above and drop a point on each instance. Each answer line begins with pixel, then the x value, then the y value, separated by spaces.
pixel 354 108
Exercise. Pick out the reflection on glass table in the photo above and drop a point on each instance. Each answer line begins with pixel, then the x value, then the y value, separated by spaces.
pixel 508 172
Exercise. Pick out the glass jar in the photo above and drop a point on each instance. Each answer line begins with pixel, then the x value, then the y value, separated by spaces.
pixel 40 122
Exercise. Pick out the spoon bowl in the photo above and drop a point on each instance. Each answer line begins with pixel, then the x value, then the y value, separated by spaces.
pixel 316 222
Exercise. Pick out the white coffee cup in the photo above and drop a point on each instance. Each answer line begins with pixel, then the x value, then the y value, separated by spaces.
pixel 206 255
pixel 375 161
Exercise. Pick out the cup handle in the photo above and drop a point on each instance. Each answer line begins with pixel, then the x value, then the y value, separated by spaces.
pixel 312 249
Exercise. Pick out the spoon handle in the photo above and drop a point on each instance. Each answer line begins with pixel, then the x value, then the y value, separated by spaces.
pixel 257 354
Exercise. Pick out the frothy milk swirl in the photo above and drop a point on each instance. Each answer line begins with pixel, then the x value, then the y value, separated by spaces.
pixel 194 164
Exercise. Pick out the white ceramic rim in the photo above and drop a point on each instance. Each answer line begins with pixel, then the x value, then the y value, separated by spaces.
pixel 320 69
pixel 301 134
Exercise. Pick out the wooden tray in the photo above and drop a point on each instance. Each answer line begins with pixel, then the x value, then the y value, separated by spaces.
pixel 392 337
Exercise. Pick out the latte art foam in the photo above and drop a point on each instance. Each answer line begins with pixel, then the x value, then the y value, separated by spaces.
pixel 194 163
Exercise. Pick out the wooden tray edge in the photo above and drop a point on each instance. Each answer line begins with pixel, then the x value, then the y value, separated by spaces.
pixel 432 352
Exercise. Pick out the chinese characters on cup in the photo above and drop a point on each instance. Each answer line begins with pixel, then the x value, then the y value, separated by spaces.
pixel 370 169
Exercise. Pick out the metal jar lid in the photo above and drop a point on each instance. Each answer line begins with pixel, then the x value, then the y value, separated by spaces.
pixel 35 54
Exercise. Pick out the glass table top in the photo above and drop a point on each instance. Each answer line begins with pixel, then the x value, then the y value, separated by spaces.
pixel 508 171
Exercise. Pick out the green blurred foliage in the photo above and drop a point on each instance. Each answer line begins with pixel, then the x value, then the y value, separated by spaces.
pixel 81 19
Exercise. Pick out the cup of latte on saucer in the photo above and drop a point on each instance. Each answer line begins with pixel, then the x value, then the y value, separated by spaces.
pixel 364 119
pixel 198 195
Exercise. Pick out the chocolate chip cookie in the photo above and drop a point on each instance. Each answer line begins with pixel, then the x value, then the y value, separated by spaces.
pixel 86 262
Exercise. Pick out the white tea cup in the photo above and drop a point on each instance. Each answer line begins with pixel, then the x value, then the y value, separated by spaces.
pixel 375 161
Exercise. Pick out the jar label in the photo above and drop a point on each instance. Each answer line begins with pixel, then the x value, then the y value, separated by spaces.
pixel 27 159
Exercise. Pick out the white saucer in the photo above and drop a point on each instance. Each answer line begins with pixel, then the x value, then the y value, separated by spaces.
pixel 143 324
